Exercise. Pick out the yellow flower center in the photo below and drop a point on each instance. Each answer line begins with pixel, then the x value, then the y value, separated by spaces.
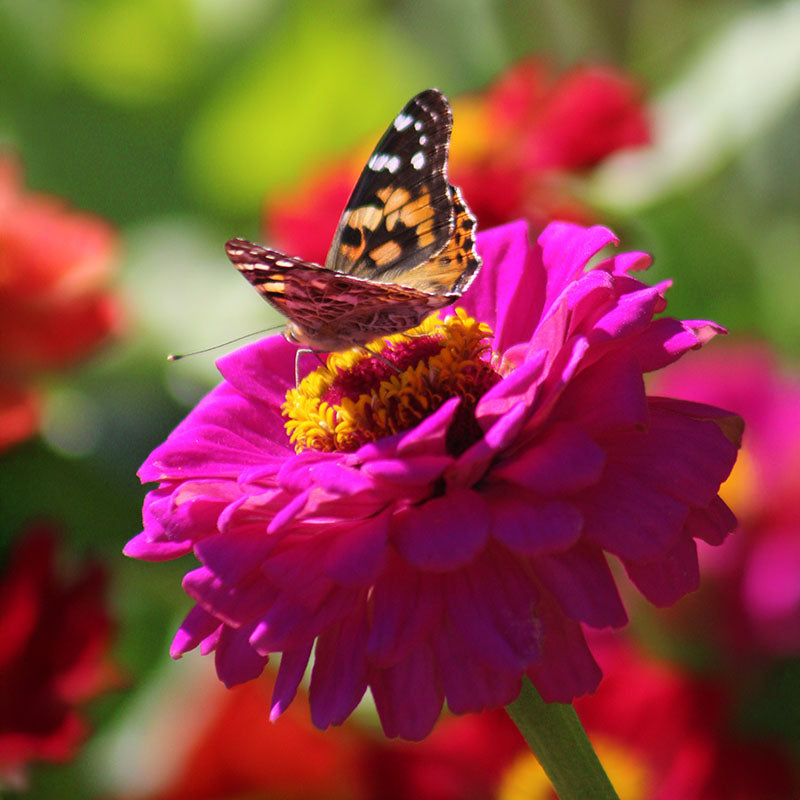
pixel 363 395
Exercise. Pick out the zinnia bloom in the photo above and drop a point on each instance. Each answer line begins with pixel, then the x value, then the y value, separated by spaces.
pixel 443 531
pixel 55 266
pixel 516 150
pixel 751 604
pixel 53 654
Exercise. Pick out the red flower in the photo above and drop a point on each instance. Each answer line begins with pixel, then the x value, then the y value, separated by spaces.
pixel 514 149
pixel 54 636
pixel 55 265
pixel 238 754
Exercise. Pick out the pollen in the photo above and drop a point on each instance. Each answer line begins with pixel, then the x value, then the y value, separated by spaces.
pixel 391 385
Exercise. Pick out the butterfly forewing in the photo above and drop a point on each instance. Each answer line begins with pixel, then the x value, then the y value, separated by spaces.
pixel 400 213
pixel 404 247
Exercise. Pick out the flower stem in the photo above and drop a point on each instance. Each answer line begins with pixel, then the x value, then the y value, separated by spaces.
pixel 555 735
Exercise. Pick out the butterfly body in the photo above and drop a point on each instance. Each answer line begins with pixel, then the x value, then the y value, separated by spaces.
pixel 403 248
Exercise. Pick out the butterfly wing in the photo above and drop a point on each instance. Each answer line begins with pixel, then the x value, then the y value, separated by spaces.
pixel 328 311
pixel 400 213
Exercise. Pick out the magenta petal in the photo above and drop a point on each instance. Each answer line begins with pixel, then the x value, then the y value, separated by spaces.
pixel 141 547
pixel 406 607
pixel 583 586
pixel 236 605
pixel 444 533
pixel 520 387
pixel 339 676
pixel 408 696
pixel 469 685
pixel 474 463
pixel 529 525
pixel 665 340
pixel 681 456
pixel 606 396
pixel 263 370
pixel 665 580
pixel 490 609
pixel 564 461
pixel 566 250
pixel 628 517
pixel 410 471
pixel 567 668
pixel 499 287
pixel 712 523
pixel 233 556
pixel 430 436
pixel 235 659
pixel 358 552
pixel 197 625
pixel 290 673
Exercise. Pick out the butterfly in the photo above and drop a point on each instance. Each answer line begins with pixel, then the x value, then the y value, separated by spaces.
pixel 404 246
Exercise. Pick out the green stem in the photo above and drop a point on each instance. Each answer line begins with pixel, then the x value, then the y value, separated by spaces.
pixel 555 735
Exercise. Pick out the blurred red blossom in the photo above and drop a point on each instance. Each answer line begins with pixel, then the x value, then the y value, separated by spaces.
pixel 54 639
pixel 55 267
pixel 238 754
pixel 749 601
pixel 515 151
pixel 660 733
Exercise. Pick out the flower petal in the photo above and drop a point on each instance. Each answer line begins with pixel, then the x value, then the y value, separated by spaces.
pixel 339 676
pixel 408 696
pixel 528 525
pixel 443 533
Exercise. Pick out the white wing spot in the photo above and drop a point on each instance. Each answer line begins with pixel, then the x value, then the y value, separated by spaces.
pixel 381 161
pixel 402 121
pixel 418 160
pixel 423 139
pixel 284 263
pixel 417 126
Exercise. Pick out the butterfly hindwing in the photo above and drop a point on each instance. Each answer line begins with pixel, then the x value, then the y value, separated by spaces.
pixel 400 213
pixel 326 306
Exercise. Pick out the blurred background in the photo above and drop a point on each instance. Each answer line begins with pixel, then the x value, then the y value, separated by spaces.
pixel 137 136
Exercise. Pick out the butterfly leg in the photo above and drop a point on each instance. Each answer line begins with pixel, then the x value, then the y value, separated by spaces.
pixel 301 352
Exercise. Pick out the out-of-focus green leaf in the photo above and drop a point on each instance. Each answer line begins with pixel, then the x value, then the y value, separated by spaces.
pixel 326 75
pixel 132 50
pixel 736 89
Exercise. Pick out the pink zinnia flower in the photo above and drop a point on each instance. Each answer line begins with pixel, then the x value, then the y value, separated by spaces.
pixel 444 532
pixel 54 642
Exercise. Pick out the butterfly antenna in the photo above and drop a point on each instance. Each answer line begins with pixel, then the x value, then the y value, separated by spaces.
pixel 178 356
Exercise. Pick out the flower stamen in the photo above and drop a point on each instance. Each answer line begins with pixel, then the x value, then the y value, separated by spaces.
pixel 360 398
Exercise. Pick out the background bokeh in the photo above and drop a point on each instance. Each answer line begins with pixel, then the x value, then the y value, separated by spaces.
pixel 173 120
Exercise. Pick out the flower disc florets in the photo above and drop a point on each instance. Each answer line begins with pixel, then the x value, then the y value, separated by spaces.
pixel 365 395
pixel 445 529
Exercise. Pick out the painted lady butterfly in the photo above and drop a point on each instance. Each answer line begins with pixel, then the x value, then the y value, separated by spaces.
pixel 405 244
